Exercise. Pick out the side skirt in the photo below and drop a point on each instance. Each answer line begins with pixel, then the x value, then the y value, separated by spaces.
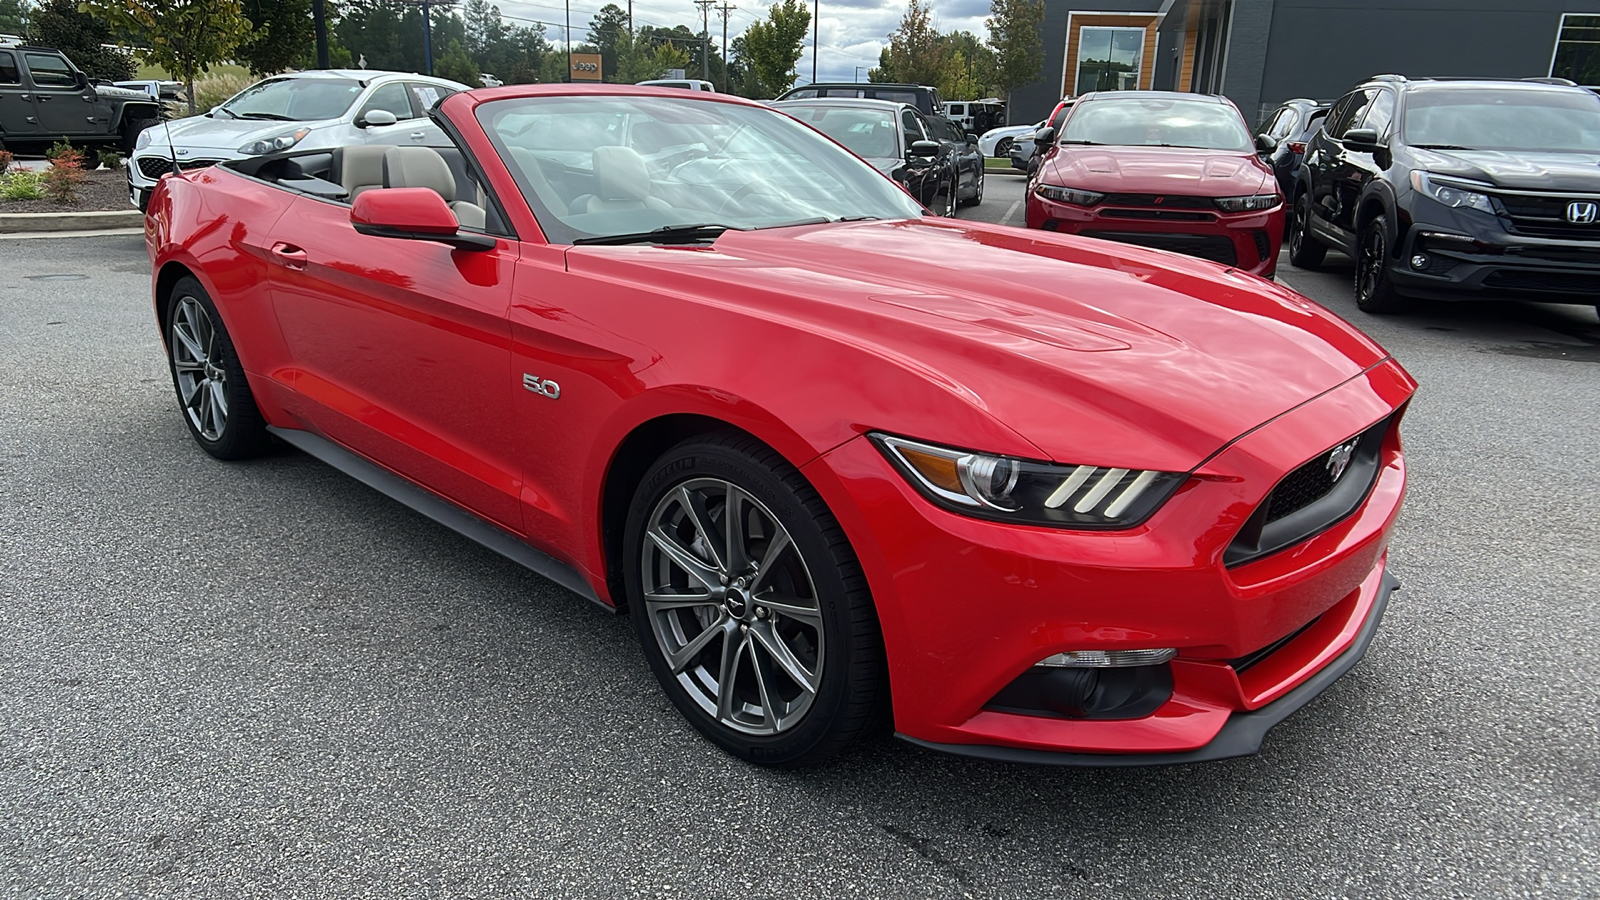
pixel 440 510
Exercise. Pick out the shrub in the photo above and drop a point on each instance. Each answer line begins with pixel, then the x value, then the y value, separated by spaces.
pixel 22 185
pixel 110 159
pixel 65 176
pixel 6 159
pixel 60 149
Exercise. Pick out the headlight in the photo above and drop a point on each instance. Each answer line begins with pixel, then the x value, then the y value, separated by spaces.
pixel 1019 490
pixel 275 144
pixel 1449 194
pixel 143 140
pixel 1247 204
pixel 1068 195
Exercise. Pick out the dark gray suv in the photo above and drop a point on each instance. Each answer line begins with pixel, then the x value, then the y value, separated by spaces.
pixel 44 98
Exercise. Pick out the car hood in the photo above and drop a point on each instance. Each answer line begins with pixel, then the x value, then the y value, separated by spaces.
pixel 1157 170
pixel 1096 353
pixel 217 132
pixel 112 92
pixel 1578 172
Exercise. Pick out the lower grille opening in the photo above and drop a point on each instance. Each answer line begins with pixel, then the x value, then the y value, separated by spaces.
pixel 1085 693
pixel 1552 282
pixel 1244 663
pixel 1216 248
pixel 1263 245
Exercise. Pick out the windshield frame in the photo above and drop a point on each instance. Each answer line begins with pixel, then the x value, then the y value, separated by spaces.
pixel 1520 92
pixel 255 89
pixel 1076 112
pixel 827 177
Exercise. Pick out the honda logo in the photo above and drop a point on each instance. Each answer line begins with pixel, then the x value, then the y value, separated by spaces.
pixel 1582 212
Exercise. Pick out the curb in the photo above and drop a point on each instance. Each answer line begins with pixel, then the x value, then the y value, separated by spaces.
pixel 12 223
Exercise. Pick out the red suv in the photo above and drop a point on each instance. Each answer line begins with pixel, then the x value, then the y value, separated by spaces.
pixel 1166 170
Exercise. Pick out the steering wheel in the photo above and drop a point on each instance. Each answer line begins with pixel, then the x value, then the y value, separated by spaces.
pixel 739 193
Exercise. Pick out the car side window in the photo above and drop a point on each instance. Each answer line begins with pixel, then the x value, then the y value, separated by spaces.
pixel 1272 125
pixel 391 97
pixel 1352 108
pixel 1380 113
pixel 50 71
pixel 1283 125
pixel 914 132
pixel 8 69
pixel 424 96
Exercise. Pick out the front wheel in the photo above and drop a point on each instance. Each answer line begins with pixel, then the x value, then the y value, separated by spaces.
pixel 1305 251
pixel 1003 149
pixel 1375 291
pixel 750 604
pixel 215 398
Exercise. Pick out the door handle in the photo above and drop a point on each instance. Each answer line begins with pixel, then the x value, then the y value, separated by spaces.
pixel 289 256
pixel 418 135
pixel 43 98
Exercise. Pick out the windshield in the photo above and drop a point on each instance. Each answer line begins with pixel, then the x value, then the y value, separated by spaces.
pixel 867 133
pixel 1551 121
pixel 1139 122
pixel 598 166
pixel 294 99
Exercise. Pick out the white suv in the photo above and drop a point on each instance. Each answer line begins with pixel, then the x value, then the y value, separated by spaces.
pixel 305 110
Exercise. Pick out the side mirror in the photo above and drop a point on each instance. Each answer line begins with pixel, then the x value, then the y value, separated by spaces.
pixel 414 214
pixel 1265 144
pixel 972 140
pixel 376 117
pixel 80 80
pixel 1044 136
pixel 1361 140
pixel 924 148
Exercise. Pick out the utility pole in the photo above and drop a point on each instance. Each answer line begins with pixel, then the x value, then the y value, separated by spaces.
pixel 705 37
pixel 568 35
pixel 816 24
pixel 630 21
pixel 319 24
pixel 427 39
pixel 725 9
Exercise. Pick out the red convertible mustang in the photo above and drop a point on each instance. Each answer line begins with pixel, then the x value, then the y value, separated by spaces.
pixel 1042 498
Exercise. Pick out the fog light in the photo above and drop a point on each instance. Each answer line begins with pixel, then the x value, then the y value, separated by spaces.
pixel 1108 659
pixel 1420 261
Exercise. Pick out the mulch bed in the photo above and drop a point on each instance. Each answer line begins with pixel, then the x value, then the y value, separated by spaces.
pixel 101 189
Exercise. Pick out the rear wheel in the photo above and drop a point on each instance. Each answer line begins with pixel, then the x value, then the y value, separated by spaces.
pixel 212 392
pixel 977 192
pixel 1003 149
pixel 750 605
pixel 1305 251
pixel 1375 291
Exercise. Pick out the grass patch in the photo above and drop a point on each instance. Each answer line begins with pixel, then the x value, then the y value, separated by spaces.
pixel 999 165
pixel 22 185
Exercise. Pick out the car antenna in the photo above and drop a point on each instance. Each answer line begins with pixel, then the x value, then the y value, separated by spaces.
pixel 172 149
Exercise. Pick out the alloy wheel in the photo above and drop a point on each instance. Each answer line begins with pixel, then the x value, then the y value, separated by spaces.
pixel 733 607
pixel 1297 235
pixel 198 365
pixel 1003 149
pixel 1369 268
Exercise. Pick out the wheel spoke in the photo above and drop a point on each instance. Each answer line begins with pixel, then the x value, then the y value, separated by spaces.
pixel 732 649
pixel 793 608
pixel 769 560
pixel 185 336
pixel 197 397
pixel 734 558
pixel 219 396
pixel 768 710
pixel 694 505
pixel 773 643
pixel 662 602
pixel 680 660
pixel 685 560
pixel 187 367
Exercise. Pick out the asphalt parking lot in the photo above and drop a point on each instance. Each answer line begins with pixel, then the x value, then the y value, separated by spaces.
pixel 264 679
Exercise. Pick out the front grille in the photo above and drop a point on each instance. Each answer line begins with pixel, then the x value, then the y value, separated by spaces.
pixel 1164 201
pixel 1300 488
pixel 157 166
pixel 1206 246
pixel 1550 282
pixel 1170 215
pixel 1544 216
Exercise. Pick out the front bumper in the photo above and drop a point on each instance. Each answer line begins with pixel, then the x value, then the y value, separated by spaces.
pixel 1492 264
pixel 968 606
pixel 1246 241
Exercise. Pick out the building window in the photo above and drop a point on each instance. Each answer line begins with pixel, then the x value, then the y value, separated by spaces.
pixel 1109 59
pixel 1578 50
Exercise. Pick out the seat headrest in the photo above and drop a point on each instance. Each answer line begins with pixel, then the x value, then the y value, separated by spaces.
pixel 361 167
pixel 620 174
pixel 418 167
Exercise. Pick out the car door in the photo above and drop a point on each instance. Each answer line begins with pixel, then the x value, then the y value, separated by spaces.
pixel 922 173
pixel 1324 155
pixel 61 105
pixel 17 116
pixel 1357 168
pixel 402 352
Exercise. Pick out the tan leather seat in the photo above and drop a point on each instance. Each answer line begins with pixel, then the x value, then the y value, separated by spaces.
pixel 361 168
pixel 621 183
pixel 528 163
pixel 423 167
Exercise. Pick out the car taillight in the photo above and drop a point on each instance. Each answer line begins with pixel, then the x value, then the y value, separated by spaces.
pixel 1298 148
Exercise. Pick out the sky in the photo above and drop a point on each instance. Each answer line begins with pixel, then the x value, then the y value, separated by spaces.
pixel 851 31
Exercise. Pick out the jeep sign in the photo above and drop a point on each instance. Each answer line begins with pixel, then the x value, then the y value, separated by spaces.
pixel 586 67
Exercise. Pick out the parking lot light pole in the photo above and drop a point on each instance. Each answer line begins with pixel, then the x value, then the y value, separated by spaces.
pixel 816 10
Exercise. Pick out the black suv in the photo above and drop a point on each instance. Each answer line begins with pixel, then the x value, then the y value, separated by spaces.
pixel 1456 189
pixel 925 99
pixel 44 99
pixel 1290 126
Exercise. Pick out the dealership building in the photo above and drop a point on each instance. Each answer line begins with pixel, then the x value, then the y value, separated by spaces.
pixel 1262 52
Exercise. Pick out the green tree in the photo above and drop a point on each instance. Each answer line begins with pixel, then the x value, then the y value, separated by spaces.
pixel 82 37
pixel 1015 33
pixel 916 54
pixel 607 29
pixel 456 64
pixel 772 46
pixel 280 31
pixel 646 56
pixel 13 17
pixel 968 70
pixel 185 37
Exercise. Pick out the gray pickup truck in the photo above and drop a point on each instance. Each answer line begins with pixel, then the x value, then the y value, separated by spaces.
pixel 44 98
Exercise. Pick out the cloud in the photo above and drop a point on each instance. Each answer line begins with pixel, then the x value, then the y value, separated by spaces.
pixel 851 32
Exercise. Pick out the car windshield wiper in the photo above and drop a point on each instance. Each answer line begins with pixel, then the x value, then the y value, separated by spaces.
pixel 668 234
pixel 1438 147
pixel 1085 143
pixel 274 117
pixel 231 113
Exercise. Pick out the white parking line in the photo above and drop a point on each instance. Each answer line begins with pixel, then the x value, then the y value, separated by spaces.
pixel 1010 212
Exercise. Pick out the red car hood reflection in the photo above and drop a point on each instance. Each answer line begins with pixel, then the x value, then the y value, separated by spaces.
pixel 1095 353
pixel 1158 170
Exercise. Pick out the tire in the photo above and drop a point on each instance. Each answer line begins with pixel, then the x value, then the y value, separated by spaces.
pixel 790 712
pixel 1305 251
pixel 212 391
pixel 1375 291
pixel 977 192
pixel 947 208
pixel 1002 150
pixel 130 133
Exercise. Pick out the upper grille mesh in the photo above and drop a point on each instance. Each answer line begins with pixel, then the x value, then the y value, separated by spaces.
pixel 157 166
